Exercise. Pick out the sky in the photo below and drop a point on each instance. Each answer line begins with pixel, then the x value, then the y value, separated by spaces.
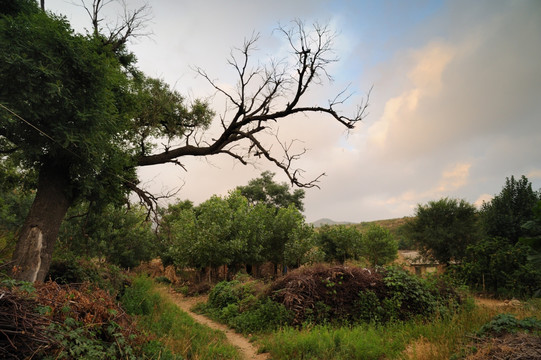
pixel 455 105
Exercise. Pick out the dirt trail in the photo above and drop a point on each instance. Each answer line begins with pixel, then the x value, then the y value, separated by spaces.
pixel 247 350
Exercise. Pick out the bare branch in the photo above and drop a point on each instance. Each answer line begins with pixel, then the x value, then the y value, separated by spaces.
pixel 149 200
pixel 266 94
pixel 129 25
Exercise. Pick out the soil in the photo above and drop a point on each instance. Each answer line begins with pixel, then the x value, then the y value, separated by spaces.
pixel 247 350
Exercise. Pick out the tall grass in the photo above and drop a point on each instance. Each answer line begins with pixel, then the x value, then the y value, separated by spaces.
pixel 172 327
pixel 437 338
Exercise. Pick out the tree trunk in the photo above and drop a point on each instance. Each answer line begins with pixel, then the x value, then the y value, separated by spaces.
pixel 34 250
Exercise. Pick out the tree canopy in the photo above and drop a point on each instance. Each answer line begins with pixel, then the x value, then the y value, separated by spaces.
pixel 508 211
pixel 444 228
pixel 378 246
pixel 266 191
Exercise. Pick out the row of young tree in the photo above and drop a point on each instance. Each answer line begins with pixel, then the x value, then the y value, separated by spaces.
pixel 261 223
pixel 258 223
pixel 496 248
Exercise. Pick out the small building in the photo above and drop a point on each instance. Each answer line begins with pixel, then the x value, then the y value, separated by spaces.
pixel 418 264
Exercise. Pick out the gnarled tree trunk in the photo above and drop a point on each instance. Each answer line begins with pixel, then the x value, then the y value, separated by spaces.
pixel 34 250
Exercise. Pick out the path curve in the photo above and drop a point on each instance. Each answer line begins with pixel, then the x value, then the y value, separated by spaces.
pixel 247 350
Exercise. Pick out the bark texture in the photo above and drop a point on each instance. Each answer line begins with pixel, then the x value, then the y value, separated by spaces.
pixel 32 256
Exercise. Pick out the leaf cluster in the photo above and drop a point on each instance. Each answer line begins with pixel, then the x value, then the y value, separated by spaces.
pixel 231 231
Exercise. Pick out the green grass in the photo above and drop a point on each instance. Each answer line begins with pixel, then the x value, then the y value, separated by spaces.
pixel 439 338
pixel 172 327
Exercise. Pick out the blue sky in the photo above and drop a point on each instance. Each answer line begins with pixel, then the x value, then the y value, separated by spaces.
pixel 455 106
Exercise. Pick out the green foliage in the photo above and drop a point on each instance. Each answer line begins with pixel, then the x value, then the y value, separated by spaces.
pixel 238 305
pixel 121 235
pixel 409 295
pixel 15 201
pixel 264 190
pixel 288 227
pixel 70 87
pixel 69 269
pixel 230 231
pixel 443 229
pixel 508 323
pixel 12 7
pixel 170 325
pixel 509 210
pixel 438 339
pixel 378 246
pixel 77 341
pixel 339 243
pixel 533 237
pixel 500 267
pixel 225 293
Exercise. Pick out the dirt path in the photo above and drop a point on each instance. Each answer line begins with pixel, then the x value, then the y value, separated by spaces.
pixel 248 351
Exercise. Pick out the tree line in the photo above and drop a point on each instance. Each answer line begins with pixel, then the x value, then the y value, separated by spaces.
pixel 245 231
pixel 496 249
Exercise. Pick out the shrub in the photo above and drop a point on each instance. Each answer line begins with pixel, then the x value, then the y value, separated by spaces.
pixel 239 305
pixel 508 323
pixel 69 269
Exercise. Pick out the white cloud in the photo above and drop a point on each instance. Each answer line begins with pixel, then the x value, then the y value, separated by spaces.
pixel 483 198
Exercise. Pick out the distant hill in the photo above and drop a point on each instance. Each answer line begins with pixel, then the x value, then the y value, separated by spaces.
pixel 393 225
pixel 325 221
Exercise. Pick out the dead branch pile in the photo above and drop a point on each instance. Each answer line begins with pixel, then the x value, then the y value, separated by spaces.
pixel 336 289
pixel 23 331
pixel 520 346
pixel 26 318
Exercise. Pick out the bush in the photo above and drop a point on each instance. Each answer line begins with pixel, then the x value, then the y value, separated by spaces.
pixel 507 323
pixel 496 266
pixel 240 306
pixel 69 269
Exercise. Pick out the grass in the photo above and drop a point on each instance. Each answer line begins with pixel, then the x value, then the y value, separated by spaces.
pixel 440 338
pixel 172 327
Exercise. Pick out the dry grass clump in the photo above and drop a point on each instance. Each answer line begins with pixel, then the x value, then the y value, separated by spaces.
pixel 520 346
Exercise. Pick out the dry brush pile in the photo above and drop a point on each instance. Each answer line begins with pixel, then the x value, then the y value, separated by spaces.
pixel 337 293
pixel 32 318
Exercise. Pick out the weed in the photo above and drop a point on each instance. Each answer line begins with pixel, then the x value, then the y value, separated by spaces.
pixel 508 323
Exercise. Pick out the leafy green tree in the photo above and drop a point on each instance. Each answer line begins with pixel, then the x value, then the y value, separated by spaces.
pixel 499 267
pixel 288 225
pixel 299 249
pixel 266 191
pixel 76 111
pixel 498 263
pixel 509 210
pixel 378 246
pixel 178 236
pixel 255 230
pixel 15 201
pixel 339 242
pixel 533 237
pixel 214 225
pixel 444 229
pixel 123 236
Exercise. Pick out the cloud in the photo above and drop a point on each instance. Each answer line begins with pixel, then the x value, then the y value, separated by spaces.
pixel 454 178
pixel 534 174
pixel 454 110
pixel 483 198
